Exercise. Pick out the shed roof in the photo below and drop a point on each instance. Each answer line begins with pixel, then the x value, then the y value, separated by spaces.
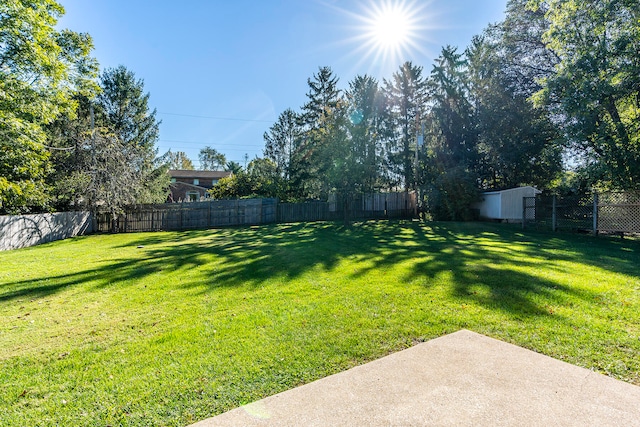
pixel 536 191
pixel 181 173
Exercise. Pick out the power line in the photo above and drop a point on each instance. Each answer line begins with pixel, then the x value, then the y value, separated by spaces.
pixel 217 118
pixel 209 143
pixel 177 147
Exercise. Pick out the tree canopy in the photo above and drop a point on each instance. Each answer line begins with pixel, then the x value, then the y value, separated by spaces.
pixel 41 71
pixel 69 139
pixel 553 88
pixel 595 86
pixel 555 80
pixel 211 159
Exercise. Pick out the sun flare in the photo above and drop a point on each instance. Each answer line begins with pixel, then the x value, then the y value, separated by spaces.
pixel 391 27
pixel 391 30
pixel 387 33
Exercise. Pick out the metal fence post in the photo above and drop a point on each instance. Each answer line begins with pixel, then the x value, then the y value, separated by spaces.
pixel 595 213
pixel 554 215
pixel 524 212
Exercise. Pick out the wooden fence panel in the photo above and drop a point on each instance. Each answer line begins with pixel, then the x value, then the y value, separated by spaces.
pixel 303 212
pixel 226 213
pixel 21 231
pixel 269 211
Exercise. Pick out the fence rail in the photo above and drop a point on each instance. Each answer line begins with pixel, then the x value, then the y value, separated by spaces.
pixel 223 213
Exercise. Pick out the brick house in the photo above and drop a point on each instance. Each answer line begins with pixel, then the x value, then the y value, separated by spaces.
pixel 192 185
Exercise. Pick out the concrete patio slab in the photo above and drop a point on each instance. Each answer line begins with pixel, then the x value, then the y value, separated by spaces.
pixel 462 379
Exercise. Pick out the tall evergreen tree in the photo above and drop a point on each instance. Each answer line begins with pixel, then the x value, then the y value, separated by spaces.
pixel 110 148
pixel 123 108
pixel 322 118
pixel 365 109
pixel 406 106
pixel 517 143
pixel 281 142
pixel 453 139
pixel 451 143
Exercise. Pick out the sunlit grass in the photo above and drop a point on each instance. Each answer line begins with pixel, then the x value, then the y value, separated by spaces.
pixel 100 331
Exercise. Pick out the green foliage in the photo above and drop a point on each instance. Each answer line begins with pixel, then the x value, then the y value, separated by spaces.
pixel 23 166
pixel 517 143
pixel 107 160
pixel 231 187
pixel 97 331
pixel 577 59
pixel 406 107
pixel 323 118
pixel 125 108
pixel 451 142
pixel 450 196
pixel 595 87
pixel 233 167
pixel 364 162
pixel 452 133
pixel 211 159
pixel 260 180
pixel 179 160
pixel 114 182
pixel 282 142
pixel 41 71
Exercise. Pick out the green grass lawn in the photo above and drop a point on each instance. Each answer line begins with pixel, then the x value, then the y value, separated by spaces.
pixel 97 331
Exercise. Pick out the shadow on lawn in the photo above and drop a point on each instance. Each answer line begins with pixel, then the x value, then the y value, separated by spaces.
pixel 483 261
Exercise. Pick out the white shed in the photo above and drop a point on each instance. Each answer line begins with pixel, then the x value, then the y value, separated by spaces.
pixel 505 204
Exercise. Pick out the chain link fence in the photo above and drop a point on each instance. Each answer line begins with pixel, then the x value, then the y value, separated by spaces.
pixel 612 212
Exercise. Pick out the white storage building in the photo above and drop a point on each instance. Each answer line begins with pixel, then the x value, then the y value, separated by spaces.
pixel 505 204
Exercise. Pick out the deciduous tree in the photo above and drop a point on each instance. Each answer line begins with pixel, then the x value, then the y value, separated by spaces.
pixel 41 69
pixel 211 159
pixel 179 160
pixel 595 87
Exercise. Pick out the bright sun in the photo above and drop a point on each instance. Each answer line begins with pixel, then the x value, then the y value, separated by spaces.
pixel 387 33
pixel 391 27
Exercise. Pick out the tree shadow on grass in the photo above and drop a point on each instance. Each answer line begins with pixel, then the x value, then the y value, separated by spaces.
pixel 483 262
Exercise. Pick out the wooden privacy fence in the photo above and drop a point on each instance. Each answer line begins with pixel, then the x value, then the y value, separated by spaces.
pixel 224 213
pixel 21 231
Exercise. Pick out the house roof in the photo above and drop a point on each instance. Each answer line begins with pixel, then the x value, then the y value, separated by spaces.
pixel 180 173
pixel 179 184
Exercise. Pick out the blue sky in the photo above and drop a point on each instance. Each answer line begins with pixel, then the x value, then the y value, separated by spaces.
pixel 221 71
